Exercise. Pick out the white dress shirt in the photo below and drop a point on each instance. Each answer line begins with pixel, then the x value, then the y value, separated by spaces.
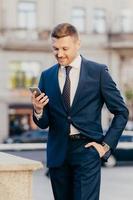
pixel 74 79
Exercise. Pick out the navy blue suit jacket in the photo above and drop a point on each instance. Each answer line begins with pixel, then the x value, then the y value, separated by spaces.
pixel 95 88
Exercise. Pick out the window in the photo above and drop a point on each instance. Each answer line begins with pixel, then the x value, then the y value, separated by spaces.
pixel 23 74
pixel 99 21
pixel 126 21
pixel 27 15
pixel 78 19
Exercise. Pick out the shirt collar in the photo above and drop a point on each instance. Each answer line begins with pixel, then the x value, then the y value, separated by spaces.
pixel 76 63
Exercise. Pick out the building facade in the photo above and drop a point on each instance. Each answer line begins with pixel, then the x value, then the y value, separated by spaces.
pixel 106 29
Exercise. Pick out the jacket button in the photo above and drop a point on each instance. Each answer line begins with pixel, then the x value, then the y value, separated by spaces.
pixel 69 118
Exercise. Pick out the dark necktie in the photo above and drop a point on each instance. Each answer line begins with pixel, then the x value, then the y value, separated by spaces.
pixel 66 89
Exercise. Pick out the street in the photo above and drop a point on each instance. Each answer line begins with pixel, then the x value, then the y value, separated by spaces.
pixel 116 184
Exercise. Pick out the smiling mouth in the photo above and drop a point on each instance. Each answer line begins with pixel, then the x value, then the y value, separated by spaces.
pixel 61 59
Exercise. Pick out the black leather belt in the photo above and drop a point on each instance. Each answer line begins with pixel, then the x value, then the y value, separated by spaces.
pixel 78 137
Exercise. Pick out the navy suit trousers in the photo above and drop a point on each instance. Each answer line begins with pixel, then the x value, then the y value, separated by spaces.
pixel 79 176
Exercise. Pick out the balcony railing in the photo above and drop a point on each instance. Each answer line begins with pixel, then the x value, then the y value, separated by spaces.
pixel 120 40
pixel 26 39
pixel 22 33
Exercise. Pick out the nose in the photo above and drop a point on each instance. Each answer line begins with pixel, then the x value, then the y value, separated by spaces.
pixel 60 53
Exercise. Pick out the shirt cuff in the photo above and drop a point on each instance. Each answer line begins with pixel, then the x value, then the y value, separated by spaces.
pixel 38 115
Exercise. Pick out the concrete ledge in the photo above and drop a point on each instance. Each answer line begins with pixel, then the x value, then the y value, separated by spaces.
pixel 10 162
pixel 16 177
pixel 26 146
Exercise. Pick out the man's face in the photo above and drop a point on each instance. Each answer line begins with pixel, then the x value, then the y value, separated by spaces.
pixel 65 49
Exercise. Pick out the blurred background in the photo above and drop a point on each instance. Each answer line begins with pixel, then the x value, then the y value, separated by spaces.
pixel 106 30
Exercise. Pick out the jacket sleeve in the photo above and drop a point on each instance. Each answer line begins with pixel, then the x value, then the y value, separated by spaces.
pixel 43 122
pixel 116 106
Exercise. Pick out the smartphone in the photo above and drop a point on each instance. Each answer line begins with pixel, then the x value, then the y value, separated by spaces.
pixel 33 89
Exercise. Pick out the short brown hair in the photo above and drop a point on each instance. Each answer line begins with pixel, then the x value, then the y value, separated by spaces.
pixel 63 30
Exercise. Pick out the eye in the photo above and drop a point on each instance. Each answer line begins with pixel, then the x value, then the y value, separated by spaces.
pixel 65 48
pixel 55 49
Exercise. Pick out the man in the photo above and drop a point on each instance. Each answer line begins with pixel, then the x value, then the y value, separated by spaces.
pixel 73 93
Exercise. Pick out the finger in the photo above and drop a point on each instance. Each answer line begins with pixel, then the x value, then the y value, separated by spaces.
pixel 45 102
pixel 89 144
pixel 43 99
pixel 40 96
pixel 33 95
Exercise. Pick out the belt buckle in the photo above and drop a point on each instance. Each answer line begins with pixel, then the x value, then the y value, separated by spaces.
pixel 75 137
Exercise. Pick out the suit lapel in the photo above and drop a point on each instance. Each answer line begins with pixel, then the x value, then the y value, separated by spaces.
pixel 57 87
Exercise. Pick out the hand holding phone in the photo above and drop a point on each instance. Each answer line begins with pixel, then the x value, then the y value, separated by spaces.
pixel 40 102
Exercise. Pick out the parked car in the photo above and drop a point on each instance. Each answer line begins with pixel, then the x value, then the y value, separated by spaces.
pixel 33 136
pixel 124 151
pixel 129 126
